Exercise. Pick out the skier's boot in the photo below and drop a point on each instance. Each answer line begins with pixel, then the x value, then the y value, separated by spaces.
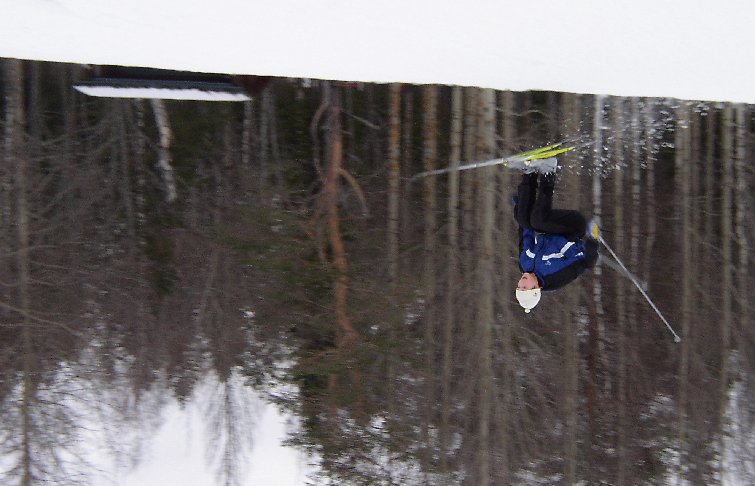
pixel 548 183
pixel 527 168
pixel 547 166
pixel 535 166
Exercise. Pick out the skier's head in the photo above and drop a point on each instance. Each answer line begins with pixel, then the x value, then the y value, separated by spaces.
pixel 528 291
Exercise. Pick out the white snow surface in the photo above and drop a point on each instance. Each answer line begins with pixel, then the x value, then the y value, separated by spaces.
pixel 161 93
pixel 686 49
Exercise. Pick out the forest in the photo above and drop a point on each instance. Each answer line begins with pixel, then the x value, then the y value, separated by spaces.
pixel 281 245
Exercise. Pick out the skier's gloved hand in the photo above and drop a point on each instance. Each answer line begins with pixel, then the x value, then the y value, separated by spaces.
pixel 593 232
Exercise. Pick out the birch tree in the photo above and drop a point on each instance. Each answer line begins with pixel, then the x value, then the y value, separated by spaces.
pixel 164 158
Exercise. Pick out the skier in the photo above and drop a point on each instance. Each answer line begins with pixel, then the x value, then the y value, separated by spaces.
pixel 552 252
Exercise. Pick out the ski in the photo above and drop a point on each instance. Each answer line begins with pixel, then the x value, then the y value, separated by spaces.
pixel 547 154
pixel 540 151
pixel 522 160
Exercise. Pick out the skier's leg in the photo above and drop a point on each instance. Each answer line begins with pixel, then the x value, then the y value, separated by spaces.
pixel 565 222
pixel 543 207
pixel 545 219
pixel 525 200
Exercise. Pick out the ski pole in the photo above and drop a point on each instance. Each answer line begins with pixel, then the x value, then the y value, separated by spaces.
pixel 634 281
pixel 604 259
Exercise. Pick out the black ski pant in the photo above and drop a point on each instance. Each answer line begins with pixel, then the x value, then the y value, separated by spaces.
pixel 534 209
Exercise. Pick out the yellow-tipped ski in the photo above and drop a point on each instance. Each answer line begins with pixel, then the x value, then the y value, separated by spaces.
pixel 548 154
pixel 535 152
pixel 541 153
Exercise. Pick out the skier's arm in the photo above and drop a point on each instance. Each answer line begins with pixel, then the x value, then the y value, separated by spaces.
pixel 526 239
pixel 525 199
pixel 569 273
pixel 564 276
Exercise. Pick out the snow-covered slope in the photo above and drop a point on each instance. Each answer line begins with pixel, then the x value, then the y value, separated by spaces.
pixel 688 49
pixel 664 48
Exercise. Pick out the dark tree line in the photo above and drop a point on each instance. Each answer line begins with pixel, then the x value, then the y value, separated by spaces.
pixel 279 242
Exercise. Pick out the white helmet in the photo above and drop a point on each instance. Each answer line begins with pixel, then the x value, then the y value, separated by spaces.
pixel 528 298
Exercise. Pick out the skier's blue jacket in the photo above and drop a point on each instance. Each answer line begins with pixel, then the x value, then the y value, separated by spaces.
pixel 556 260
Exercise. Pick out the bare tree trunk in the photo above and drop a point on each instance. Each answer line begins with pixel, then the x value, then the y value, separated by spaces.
pixel 219 171
pixel 710 174
pixel 650 223
pixel 15 159
pixel 264 138
pixel 727 279
pixel 372 149
pixel 595 314
pixel 618 224
pixel 406 158
pixel 467 332
pixel 468 177
pixel 740 164
pixel 682 145
pixel 394 178
pixel 743 201
pixel 571 399
pixel 467 242
pixel 571 353
pixel 140 159
pixel 506 248
pixel 273 137
pixel 453 273
pixel 246 135
pixel 34 118
pixel 486 145
pixel 346 335
pixel 14 101
pixel 125 168
pixel 597 190
pixel 570 194
pixel 351 143
pixel 507 125
pixel 164 158
pixel 430 156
